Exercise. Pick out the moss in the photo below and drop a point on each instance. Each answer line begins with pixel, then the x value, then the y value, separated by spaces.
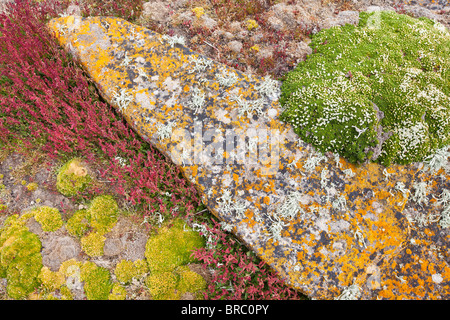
pixel 93 244
pixel 97 281
pixel 20 257
pixel 190 281
pixel 51 281
pixel 72 178
pixel 78 223
pixel 127 270
pixel 32 186
pixel 162 285
pixel 118 292
pixel 387 76
pixel 66 294
pixel 49 218
pixel 172 246
pixel 102 212
pixel 70 268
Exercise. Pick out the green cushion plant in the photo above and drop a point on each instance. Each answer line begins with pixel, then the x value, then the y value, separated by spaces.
pixel 379 91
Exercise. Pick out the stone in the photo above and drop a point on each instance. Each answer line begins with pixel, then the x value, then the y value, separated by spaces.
pixel 57 248
pixel 330 229
pixel 235 46
pixel 157 11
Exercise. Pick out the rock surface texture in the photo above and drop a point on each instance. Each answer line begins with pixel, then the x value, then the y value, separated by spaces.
pixel 331 230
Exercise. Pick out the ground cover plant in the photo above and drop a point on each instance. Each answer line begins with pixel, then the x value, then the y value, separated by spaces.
pixel 377 91
pixel 49 107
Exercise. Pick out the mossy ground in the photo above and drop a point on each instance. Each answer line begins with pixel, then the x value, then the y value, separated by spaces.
pixel 391 63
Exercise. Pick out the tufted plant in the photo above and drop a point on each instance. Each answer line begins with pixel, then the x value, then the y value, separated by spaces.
pixel 378 91
pixel 20 257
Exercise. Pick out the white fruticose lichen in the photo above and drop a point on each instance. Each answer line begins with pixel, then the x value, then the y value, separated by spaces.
pixel 350 293
pixel 227 205
pixel 126 60
pixel 275 228
pixel 291 206
pixel 324 178
pixel 400 186
pixel 164 131
pixel 197 101
pixel 269 88
pixel 386 174
pixel 141 73
pixel 226 226
pixel 444 220
pixel 173 40
pixel 249 107
pixel 313 161
pixel 420 193
pixel 437 161
pixel 226 79
pixel 201 64
pixel 360 238
pixel 122 99
pixel 340 203
pixel 349 173
pixel 444 198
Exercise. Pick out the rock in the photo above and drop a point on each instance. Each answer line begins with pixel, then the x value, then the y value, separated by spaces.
pixel 157 11
pixel 73 10
pixel 235 46
pixel 208 22
pixel 317 220
pixel 57 248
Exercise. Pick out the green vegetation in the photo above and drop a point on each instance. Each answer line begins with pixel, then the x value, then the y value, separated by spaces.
pixel 72 178
pixel 20 257
pixel 379 91
pixel 97 281
pixel 172 246
pixel 49 218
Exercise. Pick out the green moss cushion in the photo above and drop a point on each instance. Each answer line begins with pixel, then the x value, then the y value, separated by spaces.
pixel 378 91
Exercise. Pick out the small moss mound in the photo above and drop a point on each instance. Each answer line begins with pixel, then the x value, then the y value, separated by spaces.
pixel 49 218
pixel 97 281
pixel 102 213
pixel 93 244
pixel 118 292
pixel 20 257
pixel 379 91
pixel 127 270
pixel 78 223
pixel 172 246
pixel 72 178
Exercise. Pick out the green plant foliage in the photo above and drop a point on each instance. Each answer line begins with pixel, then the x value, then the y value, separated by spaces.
pixel 102 212
pixel 97 281
pixel 172 246
pixel 49 218
pixel 20 257
pixel 385 81
pixel 78 223
pixel 72 178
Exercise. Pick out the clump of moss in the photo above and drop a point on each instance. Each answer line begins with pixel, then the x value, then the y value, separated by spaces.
pixel 190 281
pixel 118 292
pixel 78 223
pixel 72 178
pixel 32 186
pixel 162 285
pixel 172 246
pixel 20 257
pixel 51 281
pixel 127 270
pixel 97 281
pixel 49 218
pixel 93 244
pixel 378 91
pixel 171 285
pixel 102 213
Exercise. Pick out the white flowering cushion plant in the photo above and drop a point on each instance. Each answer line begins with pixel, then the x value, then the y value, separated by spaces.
pixel 379 91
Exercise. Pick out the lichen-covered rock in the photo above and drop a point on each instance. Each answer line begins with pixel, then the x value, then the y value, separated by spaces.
pixel 330 228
